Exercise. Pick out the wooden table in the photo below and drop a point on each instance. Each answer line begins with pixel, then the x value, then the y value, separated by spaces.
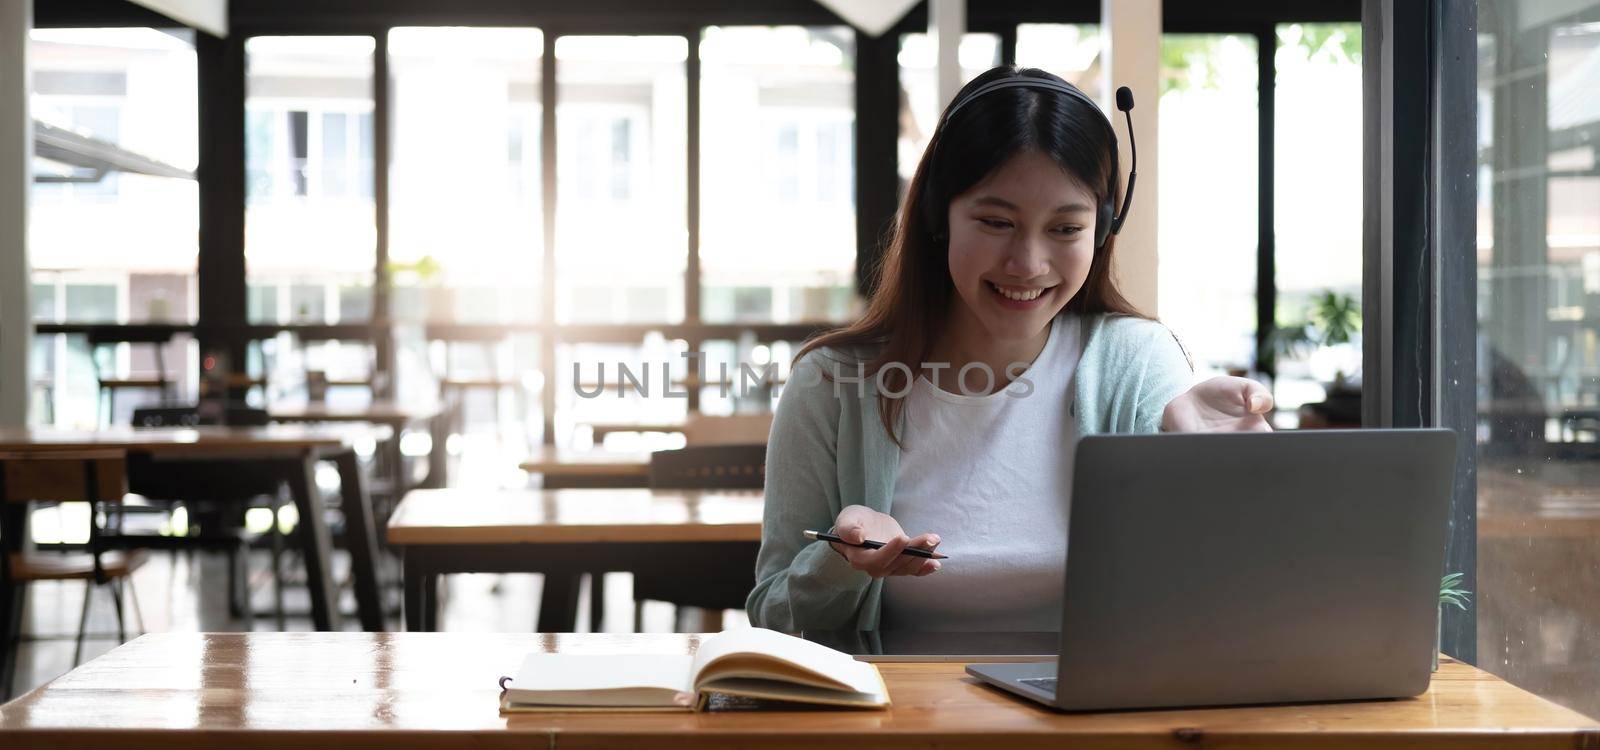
pixel 566 533
pixel 565 468
pixel 396 416
pixel 194 463
pixel 423 690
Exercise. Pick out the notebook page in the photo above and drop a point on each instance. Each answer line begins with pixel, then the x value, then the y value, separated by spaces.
pixel 579 672
pixel 837 666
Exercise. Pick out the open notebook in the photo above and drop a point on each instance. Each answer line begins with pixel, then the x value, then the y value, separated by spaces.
pixel 753 663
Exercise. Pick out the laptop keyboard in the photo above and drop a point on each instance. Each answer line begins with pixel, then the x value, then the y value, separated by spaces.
pixel 1047 684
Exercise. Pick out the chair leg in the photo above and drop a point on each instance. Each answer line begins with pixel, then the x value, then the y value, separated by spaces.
pixel 597 600
pixel 241 581
pixel 116 602
pixel 235 610
pixel 277 568
pixel 138 615
pixel 708 620
pixel 83 622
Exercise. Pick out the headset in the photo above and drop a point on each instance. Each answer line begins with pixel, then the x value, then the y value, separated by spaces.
pixel 1107 220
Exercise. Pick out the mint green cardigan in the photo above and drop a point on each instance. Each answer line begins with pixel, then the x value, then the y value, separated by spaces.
pixel 829 449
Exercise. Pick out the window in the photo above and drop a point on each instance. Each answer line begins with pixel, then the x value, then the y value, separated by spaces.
pixel 466 239
pixel 919 92
pixel 134 234
pixel 778 239
pixel 1071 51
pixel 1538 347
pixel 1317 210
pixel 112 247
pixel 622 135
pixel 1207 227
pixel 310 231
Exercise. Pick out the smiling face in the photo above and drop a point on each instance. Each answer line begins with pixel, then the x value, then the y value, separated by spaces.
pixel 1021 242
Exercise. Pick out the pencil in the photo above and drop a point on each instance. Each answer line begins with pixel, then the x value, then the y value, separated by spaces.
pixel 873 544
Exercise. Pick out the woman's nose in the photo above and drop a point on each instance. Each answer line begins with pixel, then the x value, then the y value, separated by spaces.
pixel 1026 258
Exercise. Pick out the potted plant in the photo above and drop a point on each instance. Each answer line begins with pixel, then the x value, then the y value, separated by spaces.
pixel 1450 593
pixel 1331 318
pixel 437 302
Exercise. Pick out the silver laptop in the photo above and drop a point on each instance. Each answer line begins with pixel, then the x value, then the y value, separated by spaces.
pixel 1220 569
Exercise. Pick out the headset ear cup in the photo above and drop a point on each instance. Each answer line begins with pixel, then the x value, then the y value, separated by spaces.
pixel 1102 223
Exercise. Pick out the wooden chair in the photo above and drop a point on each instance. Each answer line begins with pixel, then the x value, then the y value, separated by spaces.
pixel 701 468
pixel 369 379
pixel 454 384
pixel 216 523
pixel 109 383
pixel 739 429
pixel 98 478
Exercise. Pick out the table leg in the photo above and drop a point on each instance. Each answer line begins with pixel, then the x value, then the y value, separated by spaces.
pixel 558 603
pixel 395 463
pixel 301 476
pixel 363 542
pixel 439 455
pixel 430 606
pixel 418 597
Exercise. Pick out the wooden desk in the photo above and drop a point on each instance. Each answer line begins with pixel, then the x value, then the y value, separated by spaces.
pixel 422 690
pixel 564 468
pixel 565 533
pixel 204 461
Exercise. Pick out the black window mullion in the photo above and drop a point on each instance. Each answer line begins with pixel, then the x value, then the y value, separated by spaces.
pixel 877 100
pixel 691 269
pixel 1454 67
pixel 1266 236
pixel 382 132
pixel 220 265
pixel 547 196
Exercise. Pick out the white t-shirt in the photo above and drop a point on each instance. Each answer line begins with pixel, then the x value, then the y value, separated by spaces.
pixel 991 475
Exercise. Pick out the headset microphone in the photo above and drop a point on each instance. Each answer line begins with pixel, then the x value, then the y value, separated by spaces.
pixel 1125 104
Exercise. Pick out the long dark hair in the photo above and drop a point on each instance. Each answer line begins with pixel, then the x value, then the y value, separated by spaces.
pixel 914 292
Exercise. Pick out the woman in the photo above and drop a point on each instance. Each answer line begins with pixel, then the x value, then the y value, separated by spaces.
pixel 952 407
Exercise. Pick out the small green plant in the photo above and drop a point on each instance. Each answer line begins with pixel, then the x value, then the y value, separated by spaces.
pixel 422 272
pixel 1451 593
pixel 1330 318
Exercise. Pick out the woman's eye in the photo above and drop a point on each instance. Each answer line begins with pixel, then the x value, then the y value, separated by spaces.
pixel 996 223
pixel 1069 230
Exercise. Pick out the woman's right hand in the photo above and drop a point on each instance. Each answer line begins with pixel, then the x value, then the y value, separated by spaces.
pixel 858 523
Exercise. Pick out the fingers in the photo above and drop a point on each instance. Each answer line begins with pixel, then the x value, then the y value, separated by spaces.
pixel 1257 399
pixel 909 565
pixel 878 562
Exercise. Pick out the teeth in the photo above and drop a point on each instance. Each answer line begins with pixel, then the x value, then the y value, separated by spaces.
pixel 1022 296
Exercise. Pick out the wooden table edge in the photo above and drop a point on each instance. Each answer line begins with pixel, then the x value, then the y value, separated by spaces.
pixel 434 536
pixel 587 469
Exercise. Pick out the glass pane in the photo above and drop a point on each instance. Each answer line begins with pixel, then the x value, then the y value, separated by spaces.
pixel 622 140
pixel 466 221
pixel 1317 222
pixel 1539 347
pixel 919 93
pixel 133 237
pixel 1207 225
pixel 777 162
pixel 310 234
pixel 602 397
pixel 1071 51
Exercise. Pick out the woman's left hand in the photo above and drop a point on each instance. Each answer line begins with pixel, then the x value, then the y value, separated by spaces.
pixel 1221 404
